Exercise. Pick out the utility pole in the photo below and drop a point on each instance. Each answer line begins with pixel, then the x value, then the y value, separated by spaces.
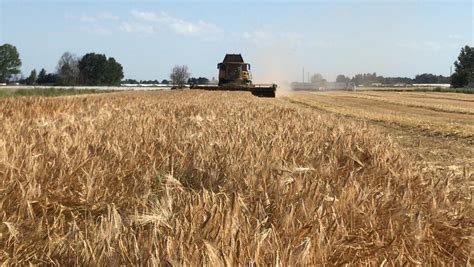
pixel 450 71
pixel 303 74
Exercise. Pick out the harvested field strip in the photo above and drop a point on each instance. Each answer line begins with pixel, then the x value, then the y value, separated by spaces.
pixel 388 89
pixel 444 90
pixel 446 96
pixel 216 178
pixel 434 104
pixel 450 98
pixel 432 122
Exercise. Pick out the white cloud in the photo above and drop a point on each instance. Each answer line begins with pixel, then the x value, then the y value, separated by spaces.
pixel 145 16
pixel 149 22
pixel 259 37
pixel 98 24
pixel 86 18
pixel 136 27
pixel 265 38
pixel 292 38
pixel 104 16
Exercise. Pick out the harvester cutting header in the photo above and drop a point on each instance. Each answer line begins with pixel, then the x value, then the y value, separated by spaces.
pixel 234 75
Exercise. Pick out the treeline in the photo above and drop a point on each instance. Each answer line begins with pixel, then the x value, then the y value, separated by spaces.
pixel 90 69
pixel 97 69
pixel 462 77
pixel 368 79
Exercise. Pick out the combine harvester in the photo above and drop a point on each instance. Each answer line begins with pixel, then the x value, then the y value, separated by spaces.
pixel 234 75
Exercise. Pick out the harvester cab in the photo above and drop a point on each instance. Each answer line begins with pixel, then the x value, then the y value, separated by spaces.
pixel 234 71
pixel 235 75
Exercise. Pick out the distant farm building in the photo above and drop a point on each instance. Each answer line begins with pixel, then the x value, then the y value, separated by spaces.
pixel 322 86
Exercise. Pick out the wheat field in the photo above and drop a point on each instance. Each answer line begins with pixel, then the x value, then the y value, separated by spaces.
pixel 192 178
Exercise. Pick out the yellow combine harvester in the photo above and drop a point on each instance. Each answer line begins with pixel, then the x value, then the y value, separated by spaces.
pixel 234 75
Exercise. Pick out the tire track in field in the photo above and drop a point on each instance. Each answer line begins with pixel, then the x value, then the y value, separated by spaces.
pixel 427 125
pixel 439 98
pixel 430 95
pixel 435 152
pixel 450 109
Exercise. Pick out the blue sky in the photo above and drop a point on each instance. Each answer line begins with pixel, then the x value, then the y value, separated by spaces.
pixel 279 38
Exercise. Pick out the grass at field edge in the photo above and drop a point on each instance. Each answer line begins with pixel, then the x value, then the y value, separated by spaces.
pixel 51 92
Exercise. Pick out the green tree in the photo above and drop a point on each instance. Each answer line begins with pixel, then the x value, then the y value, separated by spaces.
pixel 342 79
pixel 200 80
pixel 130 81
pixel 367 79
pixel 10 62
pixel 92 68
pixel 96 69
pixel 47 78
pixel 460 78
pixel 41 77
pixel 114 72
pixel 317 78
pixel 32 78
pixel 430 78
pixel 464 67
